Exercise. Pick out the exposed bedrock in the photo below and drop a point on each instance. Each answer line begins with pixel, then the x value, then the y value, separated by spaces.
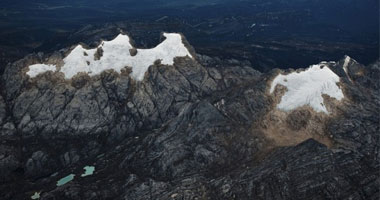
pixel 202 128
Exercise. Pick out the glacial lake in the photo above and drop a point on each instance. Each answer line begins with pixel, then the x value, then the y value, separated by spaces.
pixel 36 195
pixel 89 170
pixel 65 180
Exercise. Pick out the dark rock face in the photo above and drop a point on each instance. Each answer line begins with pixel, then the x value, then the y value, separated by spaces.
pixel 188 131
pixel 290 173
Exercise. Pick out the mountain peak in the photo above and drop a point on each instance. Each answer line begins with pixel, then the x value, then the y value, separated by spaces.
pixel 116 54
pixel 307 87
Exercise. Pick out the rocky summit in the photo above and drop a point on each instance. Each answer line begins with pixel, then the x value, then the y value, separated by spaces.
pixel 198 127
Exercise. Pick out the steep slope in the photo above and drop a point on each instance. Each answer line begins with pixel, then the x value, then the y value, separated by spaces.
pixel 196 128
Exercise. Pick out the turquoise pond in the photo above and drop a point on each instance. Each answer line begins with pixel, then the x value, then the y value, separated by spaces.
pixel 65 180
pixel 36 195
pixel 89 170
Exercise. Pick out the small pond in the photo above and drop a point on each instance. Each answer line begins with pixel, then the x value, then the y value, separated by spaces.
pixel 65 180
pixel 36 195
pixel 89 170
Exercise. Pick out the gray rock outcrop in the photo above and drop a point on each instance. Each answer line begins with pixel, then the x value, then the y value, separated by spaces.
pixel 205 128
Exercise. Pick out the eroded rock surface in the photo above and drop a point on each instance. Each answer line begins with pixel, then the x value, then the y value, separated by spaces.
pixel 204 128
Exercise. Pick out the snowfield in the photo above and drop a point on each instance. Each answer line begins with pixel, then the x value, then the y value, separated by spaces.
pixel 36 69
pixel 307 88
pixel 116 55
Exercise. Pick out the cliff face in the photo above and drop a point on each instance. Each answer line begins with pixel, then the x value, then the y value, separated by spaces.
pixel 202 128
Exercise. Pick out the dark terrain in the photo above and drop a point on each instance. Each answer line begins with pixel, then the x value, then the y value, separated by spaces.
pixel 205 128
pixel 201 129
pixel 271 34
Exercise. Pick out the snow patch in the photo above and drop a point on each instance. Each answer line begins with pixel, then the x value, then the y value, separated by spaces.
pixel 347 60
pixel 307 88
pixel 36 69
pixel 116 55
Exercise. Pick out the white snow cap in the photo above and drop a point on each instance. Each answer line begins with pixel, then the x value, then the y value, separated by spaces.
pixel 307 87
pixel 116 55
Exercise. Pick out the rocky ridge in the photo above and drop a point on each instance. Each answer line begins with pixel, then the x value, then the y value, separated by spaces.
pixel 204 128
